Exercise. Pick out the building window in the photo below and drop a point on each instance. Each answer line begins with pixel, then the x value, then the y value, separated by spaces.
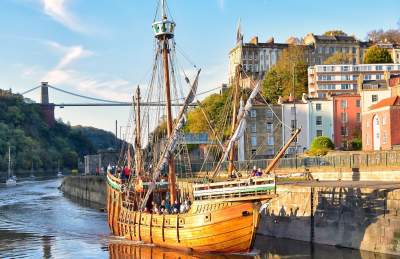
pixel 269 127
pixel 384 120
pixel 343 131
pixel 317 106
pixel 378 77
pixel 254 128
pixel 293 124
pixel 253 141
pixel 343 104
pixel 293 110
pixel 253 113
pixel 379 67
pixel 343 117
pixel 367 77
pixel 270 140
pixel 358 103
pixel 268 113
pixel 345 86
pixel 384 138
pixel 374 98
pixel 319 133
pixel 354 50
pixel 270 151
pixel 344 144
pixel 318 120
pixel 358 117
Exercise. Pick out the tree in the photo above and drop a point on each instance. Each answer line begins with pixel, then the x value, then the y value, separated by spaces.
pixel 321 145
pixel 291 66
pixel 390 36
pixel 339 58
pixel 335 33
pixel 377 55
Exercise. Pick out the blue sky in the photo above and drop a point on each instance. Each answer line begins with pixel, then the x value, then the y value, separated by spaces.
pixel 103 48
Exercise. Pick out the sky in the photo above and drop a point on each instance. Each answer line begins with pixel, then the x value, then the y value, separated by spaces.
pixel 104 48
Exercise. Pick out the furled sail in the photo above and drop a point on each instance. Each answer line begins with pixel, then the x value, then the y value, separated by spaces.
pixel 240 129
pixel 173 140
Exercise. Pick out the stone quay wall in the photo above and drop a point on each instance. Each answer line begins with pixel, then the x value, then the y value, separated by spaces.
pixel 358 218
pixel 88 188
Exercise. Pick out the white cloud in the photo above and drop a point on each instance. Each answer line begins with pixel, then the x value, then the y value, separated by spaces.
pixel 63 74
pixel 57 10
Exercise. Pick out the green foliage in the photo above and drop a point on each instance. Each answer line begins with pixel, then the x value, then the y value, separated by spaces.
pixel 279 79
pixel 356 144
pixel 377 55
pixel 34 143
pixel 339 58
pixel 217 107
pixel 320 146
pixel 335 33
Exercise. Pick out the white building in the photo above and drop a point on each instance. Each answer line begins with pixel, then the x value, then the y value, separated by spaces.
pixel 314 116
pixel 255 57
pixel 338 79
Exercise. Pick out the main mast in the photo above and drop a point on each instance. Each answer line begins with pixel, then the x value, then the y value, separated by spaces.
pixel 138 137
pixel 164 32
pixel 236 94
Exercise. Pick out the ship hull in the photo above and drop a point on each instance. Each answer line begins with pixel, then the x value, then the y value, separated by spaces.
pixel 210 226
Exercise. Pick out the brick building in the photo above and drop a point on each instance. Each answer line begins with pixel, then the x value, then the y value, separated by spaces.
pixel 380 125
pixel 346 119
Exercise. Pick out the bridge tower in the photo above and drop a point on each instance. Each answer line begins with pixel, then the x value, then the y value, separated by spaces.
pixel 46 107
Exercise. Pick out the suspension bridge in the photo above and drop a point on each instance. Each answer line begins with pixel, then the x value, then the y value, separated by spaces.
pixel 44 98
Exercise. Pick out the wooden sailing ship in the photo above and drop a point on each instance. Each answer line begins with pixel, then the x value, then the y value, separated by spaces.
pixel 223 216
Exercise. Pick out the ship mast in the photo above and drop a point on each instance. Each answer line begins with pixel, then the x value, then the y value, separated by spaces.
pixel 164 31
pixel 138 145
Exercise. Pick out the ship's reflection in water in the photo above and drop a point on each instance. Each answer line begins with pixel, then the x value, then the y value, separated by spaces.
pixel 265 248
pixel 37 221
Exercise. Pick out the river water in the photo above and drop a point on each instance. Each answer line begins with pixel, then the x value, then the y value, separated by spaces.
pixel 37 221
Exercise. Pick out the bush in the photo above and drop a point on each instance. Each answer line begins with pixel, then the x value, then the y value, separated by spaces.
pixel 320 146
pixel 356 144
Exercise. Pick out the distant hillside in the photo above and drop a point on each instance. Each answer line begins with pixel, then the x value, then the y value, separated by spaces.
pixel 34 143
pixel 101 139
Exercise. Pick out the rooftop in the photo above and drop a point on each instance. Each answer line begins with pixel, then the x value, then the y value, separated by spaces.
pixel 391 101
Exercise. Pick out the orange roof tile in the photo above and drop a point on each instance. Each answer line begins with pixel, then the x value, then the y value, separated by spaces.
pixel 391 101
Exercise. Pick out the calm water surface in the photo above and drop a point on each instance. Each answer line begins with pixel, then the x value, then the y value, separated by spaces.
pixel 37 221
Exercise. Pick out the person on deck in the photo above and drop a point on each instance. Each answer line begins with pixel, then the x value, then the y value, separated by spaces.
pixel 259 172
pixel 254 171
pixel 127 172
pixel 162 206
pixel 167 207
pixel 176 207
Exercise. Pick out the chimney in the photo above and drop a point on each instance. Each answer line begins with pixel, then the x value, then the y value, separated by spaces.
pixel 304 98
pixel 254 40
pixel 290 97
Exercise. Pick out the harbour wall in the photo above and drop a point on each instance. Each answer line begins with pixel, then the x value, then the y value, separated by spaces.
pixel 88 188
pixel 358 218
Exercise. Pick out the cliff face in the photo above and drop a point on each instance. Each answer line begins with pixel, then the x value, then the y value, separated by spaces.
pixel 35 144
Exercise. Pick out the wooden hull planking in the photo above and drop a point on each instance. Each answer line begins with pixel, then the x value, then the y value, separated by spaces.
pixel 209 227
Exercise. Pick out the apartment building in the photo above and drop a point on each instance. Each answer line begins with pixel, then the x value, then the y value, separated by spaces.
pixel 263 137
pixel 325 80
pixel 255 57
pixel 326 45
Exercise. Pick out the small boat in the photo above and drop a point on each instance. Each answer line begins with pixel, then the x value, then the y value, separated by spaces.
pixel 60 174
pixel 11 179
